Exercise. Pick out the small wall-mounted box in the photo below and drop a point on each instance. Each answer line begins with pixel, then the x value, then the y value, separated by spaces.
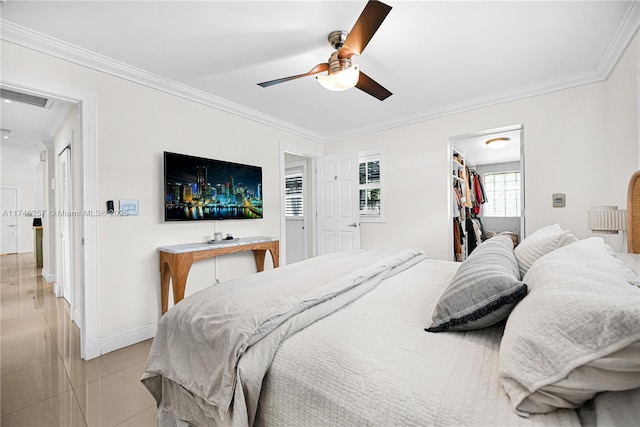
pixel 129 206
pixel 559 200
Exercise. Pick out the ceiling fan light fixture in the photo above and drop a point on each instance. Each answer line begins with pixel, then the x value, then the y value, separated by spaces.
pixel 340 80
pixel 497 143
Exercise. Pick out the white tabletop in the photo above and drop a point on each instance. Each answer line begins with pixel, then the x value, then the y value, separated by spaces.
pixel 205 246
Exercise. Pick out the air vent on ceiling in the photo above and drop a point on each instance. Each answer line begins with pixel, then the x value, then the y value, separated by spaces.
pixel 37 101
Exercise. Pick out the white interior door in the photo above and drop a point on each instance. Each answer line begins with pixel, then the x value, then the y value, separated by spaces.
pixel 65 225
pixel 338 203
pixel 9 221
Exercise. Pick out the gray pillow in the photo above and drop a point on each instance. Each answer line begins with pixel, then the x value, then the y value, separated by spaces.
pixel 483 291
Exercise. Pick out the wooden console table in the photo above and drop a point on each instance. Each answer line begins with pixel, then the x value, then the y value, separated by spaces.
pixel 176 260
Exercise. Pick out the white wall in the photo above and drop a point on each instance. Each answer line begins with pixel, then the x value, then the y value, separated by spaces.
pixel 581 141
pixel 135 125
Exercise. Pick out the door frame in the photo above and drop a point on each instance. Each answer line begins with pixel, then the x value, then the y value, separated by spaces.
pixel 88 306
pixel 449 151
pixel 302 151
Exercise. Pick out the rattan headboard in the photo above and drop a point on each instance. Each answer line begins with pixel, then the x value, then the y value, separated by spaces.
pixel 633 214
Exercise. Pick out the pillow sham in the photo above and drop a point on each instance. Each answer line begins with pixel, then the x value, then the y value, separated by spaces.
pixel 540 243
pixel 575 334
pixel 483 290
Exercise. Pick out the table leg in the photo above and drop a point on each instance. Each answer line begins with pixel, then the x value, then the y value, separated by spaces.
pixel 176 267
pixel 275 254
pixel 259 255
pixel 165 277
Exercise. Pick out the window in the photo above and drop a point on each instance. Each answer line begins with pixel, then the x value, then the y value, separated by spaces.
pixel 371 188
pixel 294 206
pixel 503 194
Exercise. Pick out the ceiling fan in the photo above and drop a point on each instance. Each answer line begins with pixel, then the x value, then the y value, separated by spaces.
pixel 341 74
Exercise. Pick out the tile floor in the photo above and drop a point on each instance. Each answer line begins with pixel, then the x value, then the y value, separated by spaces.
pixel 43 380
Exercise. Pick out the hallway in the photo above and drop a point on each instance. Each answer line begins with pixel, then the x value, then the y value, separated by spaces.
pixel 43 380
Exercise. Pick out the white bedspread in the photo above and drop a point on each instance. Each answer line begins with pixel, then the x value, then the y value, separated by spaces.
pixel 372 364
pixel 212 350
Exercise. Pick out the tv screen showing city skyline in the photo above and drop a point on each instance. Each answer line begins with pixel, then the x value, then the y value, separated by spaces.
pixel 197 188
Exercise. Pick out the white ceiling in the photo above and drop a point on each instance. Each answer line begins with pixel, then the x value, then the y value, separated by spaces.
pixel 476 152
pixel 437 57
pixel 30 128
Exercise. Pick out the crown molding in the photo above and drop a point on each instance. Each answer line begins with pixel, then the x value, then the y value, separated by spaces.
pixel 480 102
pixel 34 40
pixel 622 38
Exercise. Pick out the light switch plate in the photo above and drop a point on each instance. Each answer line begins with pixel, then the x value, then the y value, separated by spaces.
pixel 129 206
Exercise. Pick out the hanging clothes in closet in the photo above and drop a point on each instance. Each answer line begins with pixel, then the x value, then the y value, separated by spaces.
pixel 478 196
pixel 473 224
pixel 459 216
pixel 467 188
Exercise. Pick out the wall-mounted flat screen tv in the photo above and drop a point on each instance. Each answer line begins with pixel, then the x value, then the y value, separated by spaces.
pixel 197 189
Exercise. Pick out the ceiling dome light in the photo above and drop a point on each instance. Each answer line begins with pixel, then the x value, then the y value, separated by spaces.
pixel 497 143
pixel 340 80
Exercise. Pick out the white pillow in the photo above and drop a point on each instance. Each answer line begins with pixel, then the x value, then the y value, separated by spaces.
pixel 576 333
pixel 633 276
pixel 540 243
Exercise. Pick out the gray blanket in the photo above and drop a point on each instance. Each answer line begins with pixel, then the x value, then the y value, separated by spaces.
pixel 213 349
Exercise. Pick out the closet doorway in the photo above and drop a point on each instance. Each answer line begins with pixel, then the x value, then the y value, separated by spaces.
pixel 487 185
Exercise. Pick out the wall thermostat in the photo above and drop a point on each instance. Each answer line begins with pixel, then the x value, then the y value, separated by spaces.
pixel 129 207
pixel 559 200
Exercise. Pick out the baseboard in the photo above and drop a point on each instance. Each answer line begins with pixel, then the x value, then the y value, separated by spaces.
pixel 119 341
pixel 49 277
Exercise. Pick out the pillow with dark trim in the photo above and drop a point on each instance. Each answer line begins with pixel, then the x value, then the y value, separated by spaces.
pixel 483 291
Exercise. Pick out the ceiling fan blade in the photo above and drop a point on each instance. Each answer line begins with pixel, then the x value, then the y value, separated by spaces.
pixel 373 88
pixel 365 27
pixel 315 70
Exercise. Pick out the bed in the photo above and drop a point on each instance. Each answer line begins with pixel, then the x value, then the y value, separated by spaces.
pixel 376 337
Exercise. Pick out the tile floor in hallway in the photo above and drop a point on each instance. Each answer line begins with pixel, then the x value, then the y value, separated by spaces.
pixel 43 380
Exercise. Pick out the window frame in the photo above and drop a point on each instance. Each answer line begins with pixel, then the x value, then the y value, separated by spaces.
pixel 369 155
pixel 518 194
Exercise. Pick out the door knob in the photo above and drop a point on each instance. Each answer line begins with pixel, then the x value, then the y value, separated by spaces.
pixel 353 225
